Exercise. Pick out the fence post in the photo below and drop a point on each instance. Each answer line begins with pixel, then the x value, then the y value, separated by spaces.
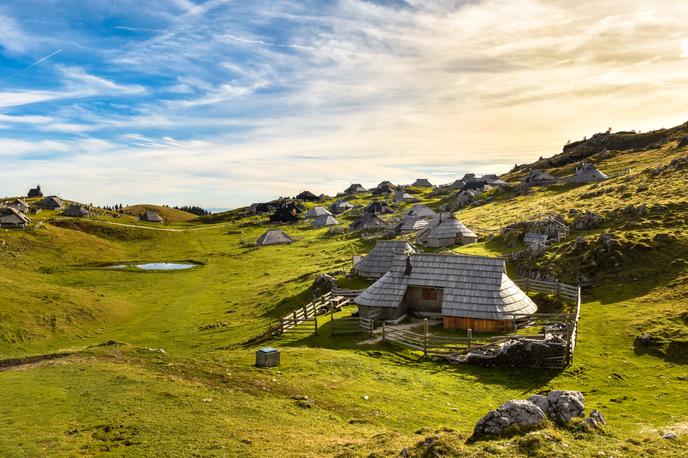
pixel 305 312
pixel 469 333
pixel 281 326
pixel 315 317
pixel 332 320
pixel 425 337
pixel 383 330
pixel 295 319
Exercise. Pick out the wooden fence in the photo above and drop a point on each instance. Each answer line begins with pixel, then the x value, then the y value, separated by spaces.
pixel 442 345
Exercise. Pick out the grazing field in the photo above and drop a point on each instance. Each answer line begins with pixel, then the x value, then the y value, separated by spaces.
pixel 154 363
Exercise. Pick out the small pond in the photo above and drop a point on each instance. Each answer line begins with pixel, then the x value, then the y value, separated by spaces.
pixel 156 266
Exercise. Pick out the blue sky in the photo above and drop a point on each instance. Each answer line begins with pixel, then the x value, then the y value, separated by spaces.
pixel 221 103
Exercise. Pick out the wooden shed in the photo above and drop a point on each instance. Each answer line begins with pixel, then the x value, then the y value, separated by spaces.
pixel 13 218
pixel 324 221
pixel 17 204
pixel 51 203
pixel 77 211
pixel 308 196
pixel 422 183
pixel 369 222
pixel 411 223
pixel 536 243
pixel 378 262
pixel 537 177
pixel 468 292
pixel 378 207
pixel 316 212
pixel 35 192
pixel 588 173
pixel 151 216
pixel 340 206
pixel 422 211
pixel 401 196
pixel 355 188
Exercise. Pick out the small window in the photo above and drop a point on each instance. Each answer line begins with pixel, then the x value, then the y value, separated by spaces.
pixel 430 294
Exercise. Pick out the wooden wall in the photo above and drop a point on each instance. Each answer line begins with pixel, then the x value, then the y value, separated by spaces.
pixel 455 322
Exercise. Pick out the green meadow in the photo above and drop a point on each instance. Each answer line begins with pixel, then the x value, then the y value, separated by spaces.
pixel 155 363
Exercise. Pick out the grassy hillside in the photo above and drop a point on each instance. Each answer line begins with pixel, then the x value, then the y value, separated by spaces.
pixel 169 214
pixel 155 363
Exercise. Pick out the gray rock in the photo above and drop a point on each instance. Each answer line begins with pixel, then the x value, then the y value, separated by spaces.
pixel 512 416
pixel 597 416
pixel 670 435
pixel 565 405
pixel 541 402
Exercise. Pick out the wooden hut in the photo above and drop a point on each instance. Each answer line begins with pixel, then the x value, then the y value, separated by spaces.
pixel 340 206
pixel 422 183
pixel 369 222
pixel 411 223
pixel 536 243
pixel 17 204
pixel 422 211
pixel 308 196
pixel 355 188
pixel 377 207
pixel 401 196
pixel 446 230
pixel 494 180
pixel 384 188
pixel 468 292
pixel 324 221
pixel 13 218
pixel 378 262
pixel 77 211
pixel 35 192
pixel 537 177
pixel 274 237
pixel 315 212
pixel 151 216
pixel 51 203
pixel 588 173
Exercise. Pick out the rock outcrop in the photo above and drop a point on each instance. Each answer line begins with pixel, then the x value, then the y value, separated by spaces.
pixel 511 417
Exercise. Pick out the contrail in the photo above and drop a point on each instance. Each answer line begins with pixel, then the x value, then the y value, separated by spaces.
pixel 42 59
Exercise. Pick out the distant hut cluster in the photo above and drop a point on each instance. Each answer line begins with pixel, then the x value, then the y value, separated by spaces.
pixel 467 292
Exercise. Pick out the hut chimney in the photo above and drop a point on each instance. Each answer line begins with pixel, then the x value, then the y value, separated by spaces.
pixel 409 266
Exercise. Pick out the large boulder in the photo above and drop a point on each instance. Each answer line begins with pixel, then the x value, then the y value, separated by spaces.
pixel 510 417
pixel 560 406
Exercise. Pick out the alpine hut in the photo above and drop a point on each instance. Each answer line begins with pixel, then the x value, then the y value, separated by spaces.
pixel 369 222
pixel 402 196
pixel 308 196
pixel 285 214
pixel 422 211
pixel 316 212
pixel 324 221
pixel 536 243
pixel 51 203
pixel 422 183
pixel 384 188
pixel 355 188
pixel 77 211
pixel 13 218
pixel 494 180
pixel 446 230
pixel 151 216
pixel 274 237
pixel 588 173
pixel 468 292
pixel 378 262
pixel 340 206
pixel 17 204
pixel 537 177
pixel 35 192
pixel 411 223
pixel 378 207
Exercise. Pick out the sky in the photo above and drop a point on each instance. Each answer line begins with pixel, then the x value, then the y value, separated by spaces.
pixel 221 103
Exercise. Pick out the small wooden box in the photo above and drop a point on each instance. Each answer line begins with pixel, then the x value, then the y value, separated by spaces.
pixel 267 357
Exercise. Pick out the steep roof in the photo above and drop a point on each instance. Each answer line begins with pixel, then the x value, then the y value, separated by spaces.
pixel 411 223
pixel 445 226
pixel 403 196
pixel 51 202
pixel 422 211
pixel 378 207
pixel 12 216
pixel 308 196
pixel 274 237
pixel 369 222
pixel 15 203
pixel 76 210
pixel 588 173
pixel 354 188
pixel 422 183
pixel 324 220
pixel 35 192
pixel 151 216
pixel 317 211
pixel 341 206
pixel 473 286
pixel 537 175
pixel 380 259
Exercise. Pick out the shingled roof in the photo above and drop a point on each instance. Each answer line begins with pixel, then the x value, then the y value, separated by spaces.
pixel 422 211
pixel 151 216
pixel 308 196
pixel 445 226
pixel 422 183
pixel 473 286
pixel 274 237
pixel 325 220
pixel 354 188
pixel 51 203
pixel 317 211
pixel 341 206
pixel 379 260
pixel 369 222
pixel 77 211
pixel 378 207
pixel 11 217
pixel 588 173
pixel 411 223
